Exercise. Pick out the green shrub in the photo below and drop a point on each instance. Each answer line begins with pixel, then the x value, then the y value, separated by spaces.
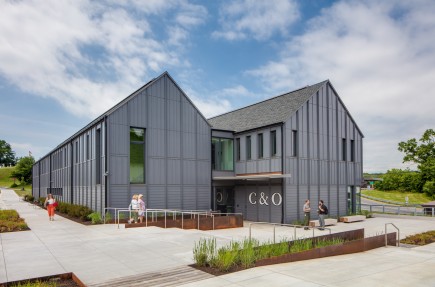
pixel 429 188
pixel 41 200
pixel 204 252
pixel 328 242
pixel 30 198
pixel 11 221
pixel 367 213
pixel 107 217
pixel 226 258
pixel 300 245
pixel 247 254
pixel 95 218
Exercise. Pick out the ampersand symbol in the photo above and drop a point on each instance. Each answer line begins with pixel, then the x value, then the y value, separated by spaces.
pixel 263 199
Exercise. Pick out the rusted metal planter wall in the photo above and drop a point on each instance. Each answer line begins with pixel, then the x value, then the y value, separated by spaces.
pixel 355 246
pixel 204 223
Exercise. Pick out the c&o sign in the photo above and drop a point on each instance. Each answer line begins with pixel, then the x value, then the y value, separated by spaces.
pixel 276 198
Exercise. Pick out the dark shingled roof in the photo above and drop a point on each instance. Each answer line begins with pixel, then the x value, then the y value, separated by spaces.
pixel 268 112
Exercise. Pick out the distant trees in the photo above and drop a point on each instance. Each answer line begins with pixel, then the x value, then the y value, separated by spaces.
pixel 7 156
pixel 23 169
pixel 421 152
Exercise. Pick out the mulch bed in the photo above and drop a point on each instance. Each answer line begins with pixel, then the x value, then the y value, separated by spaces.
pixel 216 272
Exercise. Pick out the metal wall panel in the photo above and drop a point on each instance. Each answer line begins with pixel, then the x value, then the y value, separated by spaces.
pixel 174 172
pixel 173 142
pixel 174 196
pixel 137 110
pixel 157 171
pixel 189 146
pixel 189 197
pixel 156 196
pixel 156 110
pixel 342 200
pixel 203 172
pixel 189 178
pixel 174 115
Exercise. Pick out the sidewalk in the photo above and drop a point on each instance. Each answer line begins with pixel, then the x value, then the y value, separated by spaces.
pixel 97 254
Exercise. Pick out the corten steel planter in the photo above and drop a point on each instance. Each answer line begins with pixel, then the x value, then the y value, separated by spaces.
pixel 204 223
pixel 349 247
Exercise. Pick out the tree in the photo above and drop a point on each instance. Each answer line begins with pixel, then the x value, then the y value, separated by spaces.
pixel 423 154
pixel 23 169
pixel 7 156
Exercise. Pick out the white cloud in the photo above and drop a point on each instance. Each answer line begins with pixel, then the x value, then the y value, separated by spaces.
pixel 87 55
pixel 380 57
pixel 243 19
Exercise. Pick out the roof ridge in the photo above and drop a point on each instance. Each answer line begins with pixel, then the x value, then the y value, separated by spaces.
pixel 269 99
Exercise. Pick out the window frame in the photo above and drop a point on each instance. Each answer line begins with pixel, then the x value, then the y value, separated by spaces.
pixel 260 145
pixel 143 143
pixel 273 143
pixel 248 148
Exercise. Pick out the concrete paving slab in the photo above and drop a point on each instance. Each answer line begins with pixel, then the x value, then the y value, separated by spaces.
pixel 104 252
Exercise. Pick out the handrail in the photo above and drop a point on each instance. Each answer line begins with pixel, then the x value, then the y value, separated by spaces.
pixel 398 234
pixel 282 224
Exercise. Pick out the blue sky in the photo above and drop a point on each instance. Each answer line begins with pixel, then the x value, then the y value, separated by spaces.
pixel 63 63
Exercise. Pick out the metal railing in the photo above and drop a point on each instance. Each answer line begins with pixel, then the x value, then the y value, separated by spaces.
pixel 398 234
pixel 285 225
pixel 415 210
pixel 153 215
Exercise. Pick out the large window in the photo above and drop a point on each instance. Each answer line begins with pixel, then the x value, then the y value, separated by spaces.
pixel 248 148
pixel 273 143
pixel 260 145
pixel 222 154
pixel 137 155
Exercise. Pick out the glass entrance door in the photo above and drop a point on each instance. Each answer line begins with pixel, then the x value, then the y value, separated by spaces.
pixel 224 199
pixel 353 199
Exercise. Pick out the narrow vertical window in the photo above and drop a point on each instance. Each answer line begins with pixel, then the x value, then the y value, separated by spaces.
pixel 343 149
pixel 98 156
pixel 260 145
pixel 273 143
pixel 295 143
pixel 137 155
pixel 248 147
pixel 238 148
pixel 352 150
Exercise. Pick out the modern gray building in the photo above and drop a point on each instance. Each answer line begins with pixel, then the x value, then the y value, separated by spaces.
pixel 263 160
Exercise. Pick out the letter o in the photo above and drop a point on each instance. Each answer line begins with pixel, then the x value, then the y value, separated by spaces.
pixel 279 197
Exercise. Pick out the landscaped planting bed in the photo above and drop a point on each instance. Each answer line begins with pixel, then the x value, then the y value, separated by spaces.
pixel 420 239
pixel 250 253
pixel 10 221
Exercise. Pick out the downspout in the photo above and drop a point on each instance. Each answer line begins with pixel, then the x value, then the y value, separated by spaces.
pixel 283 179
pixel 71 172
pixel 50 175
pixel 106 174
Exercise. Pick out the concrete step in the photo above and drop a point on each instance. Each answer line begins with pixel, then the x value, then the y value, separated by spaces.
pixel 165 278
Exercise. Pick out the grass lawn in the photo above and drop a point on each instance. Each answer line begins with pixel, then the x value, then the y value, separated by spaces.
pixel 398 196
pixel 6 181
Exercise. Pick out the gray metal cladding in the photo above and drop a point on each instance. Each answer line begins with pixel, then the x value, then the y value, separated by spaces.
pixel 321 124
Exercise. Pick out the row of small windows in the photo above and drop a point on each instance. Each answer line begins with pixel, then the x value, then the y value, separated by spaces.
pixel 260 146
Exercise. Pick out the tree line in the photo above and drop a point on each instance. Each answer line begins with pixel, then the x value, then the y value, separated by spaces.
pixel 420 152
pixel 22 166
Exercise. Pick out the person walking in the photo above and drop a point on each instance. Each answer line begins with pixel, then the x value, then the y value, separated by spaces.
pixel 141 207
pixel 307 210
pixel 50 203
pixel 134 208
pixel 323 211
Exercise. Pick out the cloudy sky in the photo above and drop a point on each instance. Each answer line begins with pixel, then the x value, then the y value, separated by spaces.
pixel 63 63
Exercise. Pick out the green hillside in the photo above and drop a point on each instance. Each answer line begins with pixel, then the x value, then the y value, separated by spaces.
pixel 5 180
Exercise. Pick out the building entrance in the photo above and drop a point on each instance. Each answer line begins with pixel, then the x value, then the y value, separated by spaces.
pixel 224 199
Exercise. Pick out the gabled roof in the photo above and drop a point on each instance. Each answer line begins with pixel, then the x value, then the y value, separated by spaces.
pixel 272 111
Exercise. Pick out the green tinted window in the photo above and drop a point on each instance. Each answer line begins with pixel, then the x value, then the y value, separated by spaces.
pixel 137 155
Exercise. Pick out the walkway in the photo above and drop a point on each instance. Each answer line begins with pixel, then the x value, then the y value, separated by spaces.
pixel 102 253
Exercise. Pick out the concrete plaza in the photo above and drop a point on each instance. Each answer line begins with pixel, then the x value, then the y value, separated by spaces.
pixel 101 253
